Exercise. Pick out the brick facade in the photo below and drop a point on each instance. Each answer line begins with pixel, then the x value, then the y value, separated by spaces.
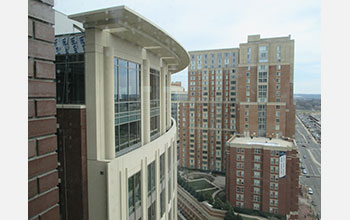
pixel 43 199
pixel 73 159
pixel 287 188
pixel 223 99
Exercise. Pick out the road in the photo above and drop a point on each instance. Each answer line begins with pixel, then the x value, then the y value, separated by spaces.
pixel 312 162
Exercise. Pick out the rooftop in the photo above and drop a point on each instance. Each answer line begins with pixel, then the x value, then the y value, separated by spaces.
pixel 261 142
pixel 127 24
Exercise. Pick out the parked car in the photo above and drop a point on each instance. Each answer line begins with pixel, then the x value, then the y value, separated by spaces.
pixel 304 171
pixel 303 145
pixel 310 191
pixel 304 156
pixel 302 167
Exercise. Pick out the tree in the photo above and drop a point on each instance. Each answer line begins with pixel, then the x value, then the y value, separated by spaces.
pixel 218 204
pixel 230 215
pixel 200 197
pixel 238 217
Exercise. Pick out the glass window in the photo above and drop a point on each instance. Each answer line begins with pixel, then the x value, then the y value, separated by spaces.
pixel 162 203
pixel 249 54
pixel 162 167
pixel 127 100
pixel 262 93
pixel 262 77
pixel 151 177
pixel 154 103
pixel 70 81
pixel 278 53
pixel 263 54
pixel 134 192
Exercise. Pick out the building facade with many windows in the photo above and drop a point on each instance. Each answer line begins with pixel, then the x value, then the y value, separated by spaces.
pixel 246 90
pixel 265 87
pixel 263 174
pixel 130 135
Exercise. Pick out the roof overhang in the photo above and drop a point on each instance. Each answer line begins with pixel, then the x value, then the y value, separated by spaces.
pixel 129 25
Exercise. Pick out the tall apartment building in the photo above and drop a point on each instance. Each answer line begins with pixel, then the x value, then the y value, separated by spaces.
pixel 263 174
pixel 130 135
pixel 246 90
pixel 265 87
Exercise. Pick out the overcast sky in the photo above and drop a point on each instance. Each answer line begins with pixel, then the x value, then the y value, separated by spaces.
pixel 200 24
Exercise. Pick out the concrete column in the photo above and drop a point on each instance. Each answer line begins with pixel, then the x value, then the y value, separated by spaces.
pixel 145 103
pixel 168 97
pixel 93 95
pixel 109 103
pixel 163 97
pixel 144 187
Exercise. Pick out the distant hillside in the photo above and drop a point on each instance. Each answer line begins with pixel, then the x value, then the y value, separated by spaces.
pixel 307 96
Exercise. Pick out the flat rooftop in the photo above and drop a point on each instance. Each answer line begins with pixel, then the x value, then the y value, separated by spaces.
pixel 260 142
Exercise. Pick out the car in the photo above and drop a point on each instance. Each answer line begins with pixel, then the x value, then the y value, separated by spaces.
pixel 309 190
pixel 302 167
pixel 303 145
pixel 304 171
pixel 304 156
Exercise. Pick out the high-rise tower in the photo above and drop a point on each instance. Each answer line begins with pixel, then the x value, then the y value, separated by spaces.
pixel 246 90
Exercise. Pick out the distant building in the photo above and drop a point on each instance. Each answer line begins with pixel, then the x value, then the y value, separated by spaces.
pixel 178 94
pixel 263 174
pixel 114 85
pixel 246 90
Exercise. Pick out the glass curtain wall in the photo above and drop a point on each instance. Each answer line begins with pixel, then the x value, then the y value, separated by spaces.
pixel 154 103
pixel 127 99
pixel 70 82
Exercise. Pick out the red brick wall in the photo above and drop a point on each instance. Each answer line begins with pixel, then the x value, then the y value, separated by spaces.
pixel 287 189
pixel 73 160
pixel 42 141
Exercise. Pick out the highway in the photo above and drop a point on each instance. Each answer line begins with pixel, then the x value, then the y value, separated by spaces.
pixel 312 162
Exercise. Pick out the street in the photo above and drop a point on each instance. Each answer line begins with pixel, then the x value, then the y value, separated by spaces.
pixel 312 163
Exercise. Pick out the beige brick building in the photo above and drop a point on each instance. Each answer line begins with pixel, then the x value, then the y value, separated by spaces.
pixel 246 90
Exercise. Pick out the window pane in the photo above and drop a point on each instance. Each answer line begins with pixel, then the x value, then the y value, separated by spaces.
pixel 149 174
pixel 134 133
pixel 122 63
pixel 131 194
pixel 124 136
pixel 132 85
pixel 116 133
pixel 123 84
pixel 137 190
pixel 115 82
pixel 153 179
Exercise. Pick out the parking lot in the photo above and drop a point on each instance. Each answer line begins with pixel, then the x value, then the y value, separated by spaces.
pixel 312 122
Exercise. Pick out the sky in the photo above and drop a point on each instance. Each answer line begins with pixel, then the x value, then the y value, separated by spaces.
pixel 200 24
